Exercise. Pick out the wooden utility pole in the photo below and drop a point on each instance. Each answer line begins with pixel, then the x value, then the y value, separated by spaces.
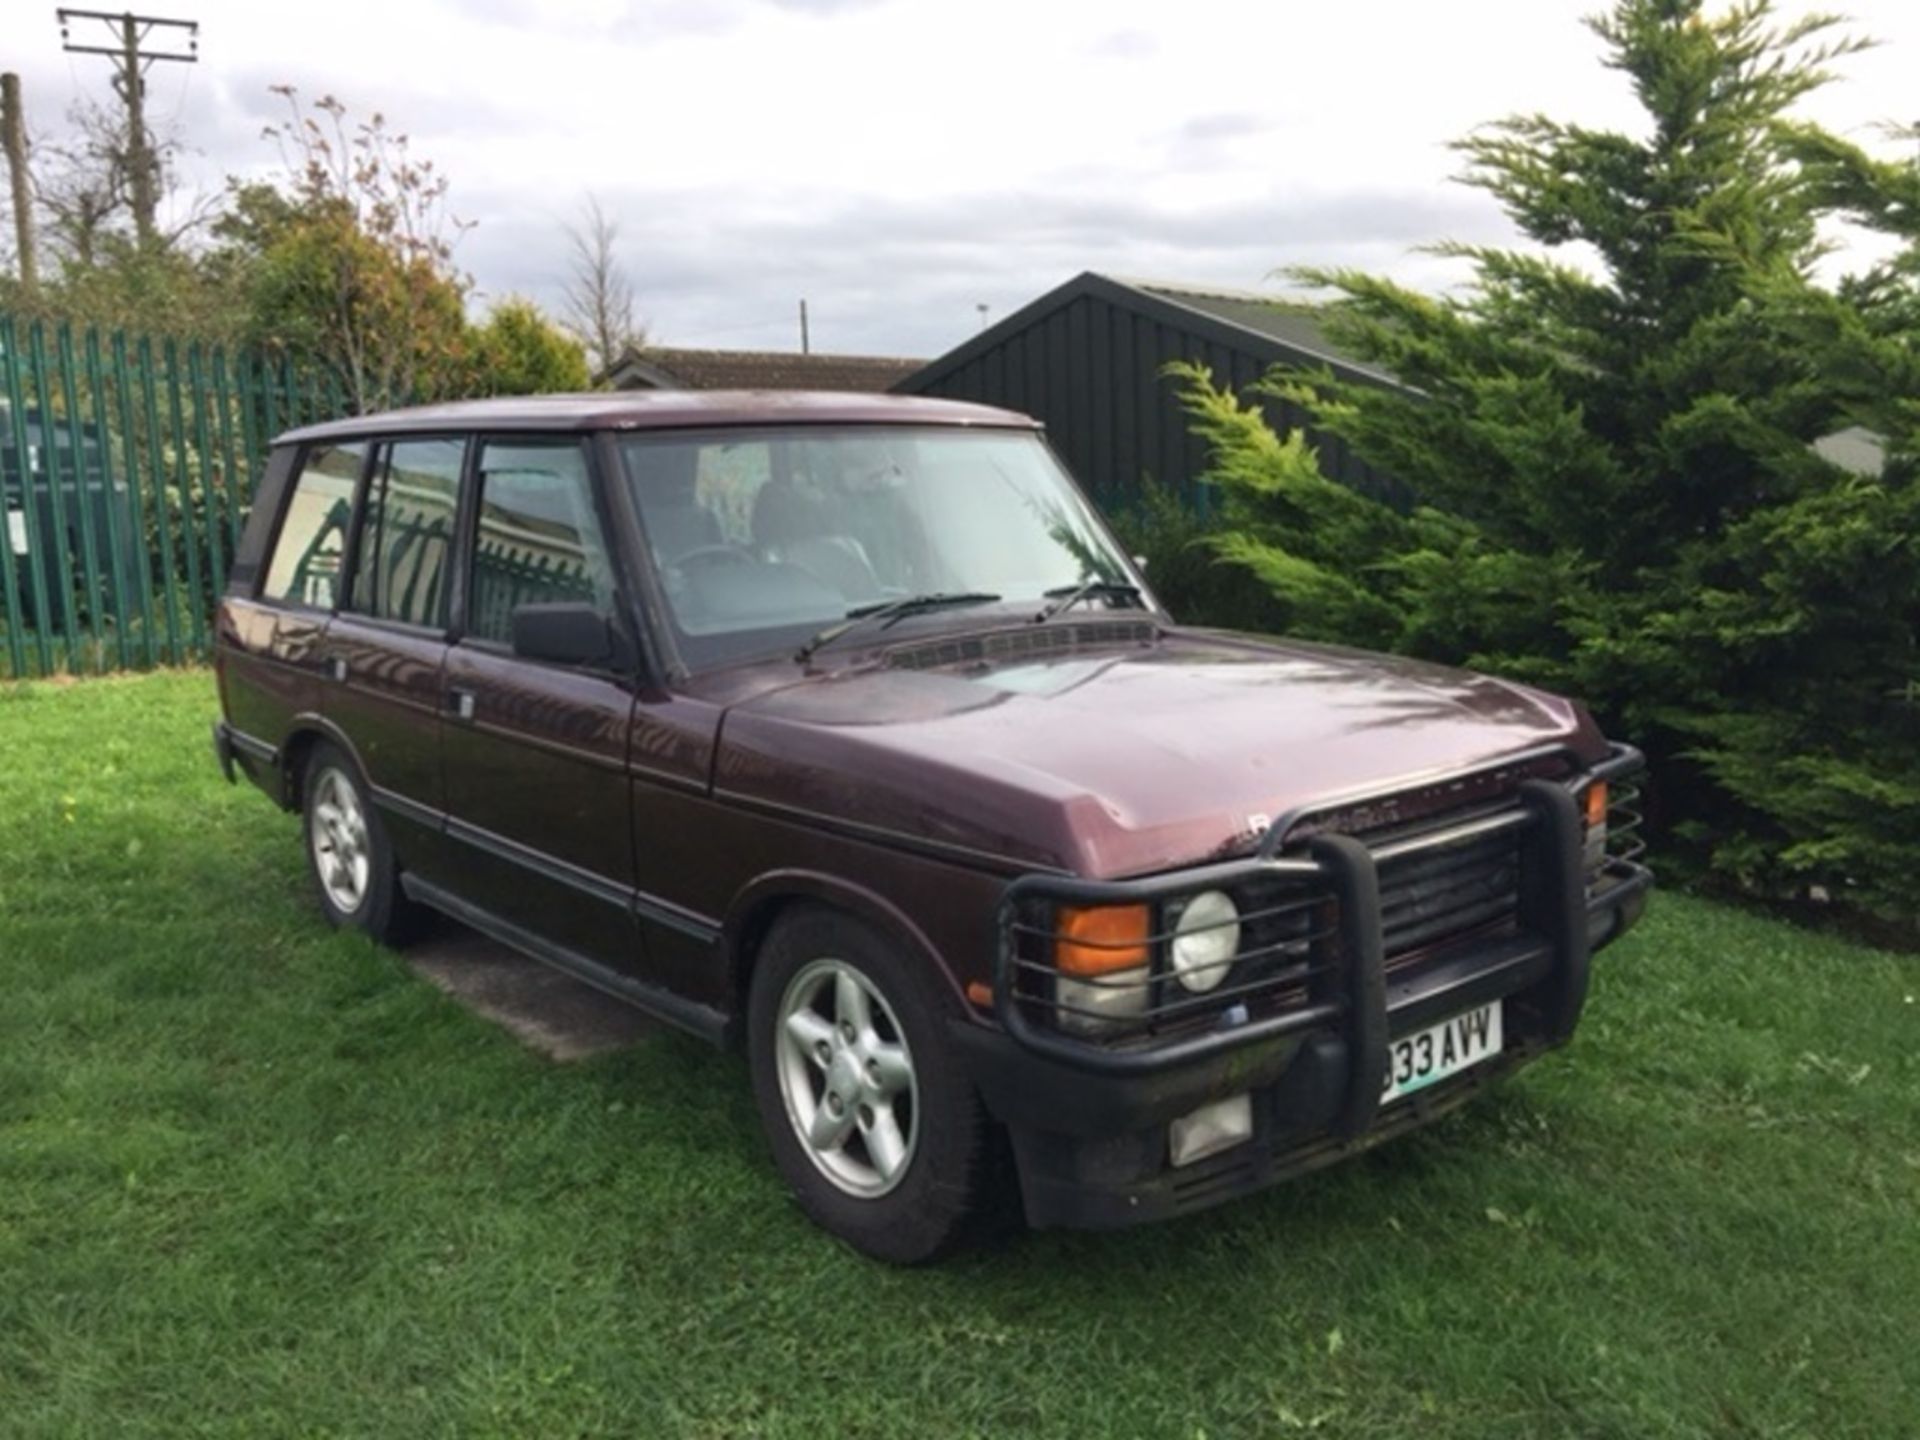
pixel 130 82
pixel 13 137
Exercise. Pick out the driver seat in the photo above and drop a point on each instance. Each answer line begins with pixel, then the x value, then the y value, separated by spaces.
pixel 676 522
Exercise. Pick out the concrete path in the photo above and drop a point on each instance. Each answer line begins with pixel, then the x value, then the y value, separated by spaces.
pixel 552 1013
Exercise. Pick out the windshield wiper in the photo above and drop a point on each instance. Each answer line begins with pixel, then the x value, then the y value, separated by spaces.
pixel 1065 597
pixel 883 613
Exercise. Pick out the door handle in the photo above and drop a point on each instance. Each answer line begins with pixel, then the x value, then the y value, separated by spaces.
pixel 460 704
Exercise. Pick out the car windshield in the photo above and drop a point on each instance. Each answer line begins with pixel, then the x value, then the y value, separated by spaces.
pixel 762 536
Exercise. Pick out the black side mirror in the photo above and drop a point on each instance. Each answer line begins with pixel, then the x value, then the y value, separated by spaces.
pixel 564 633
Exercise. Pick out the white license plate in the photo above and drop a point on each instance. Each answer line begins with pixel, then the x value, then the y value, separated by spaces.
pixel 1418 1060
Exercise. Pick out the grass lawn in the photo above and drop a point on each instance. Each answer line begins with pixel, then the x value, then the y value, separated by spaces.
pixel 256 1178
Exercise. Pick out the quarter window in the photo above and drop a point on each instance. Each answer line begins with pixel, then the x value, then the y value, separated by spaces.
pixel 313 535
pixel 401 572
pixel 539 537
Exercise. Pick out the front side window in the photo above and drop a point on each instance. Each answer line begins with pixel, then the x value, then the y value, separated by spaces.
pixel 313 534
pixel 406 534
pixel 539 539
pixel 763 535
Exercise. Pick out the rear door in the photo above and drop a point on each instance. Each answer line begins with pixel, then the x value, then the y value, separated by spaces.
pixel 386 648
pixel 536 754
pixel 272 624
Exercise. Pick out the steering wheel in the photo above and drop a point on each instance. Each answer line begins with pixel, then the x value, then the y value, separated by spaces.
pixel 708 555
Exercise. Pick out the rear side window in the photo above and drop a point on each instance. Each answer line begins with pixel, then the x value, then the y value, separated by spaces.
pixel 406 536
pixel 539 537
pixel 313 535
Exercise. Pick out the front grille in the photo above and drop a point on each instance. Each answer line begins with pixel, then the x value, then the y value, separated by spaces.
pixel 1449 879
pixel 1441 880
pixel 1437 894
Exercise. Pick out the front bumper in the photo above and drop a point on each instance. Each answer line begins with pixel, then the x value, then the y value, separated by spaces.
pixel 1089 1123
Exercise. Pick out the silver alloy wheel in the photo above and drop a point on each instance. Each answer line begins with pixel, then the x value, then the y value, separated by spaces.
pixel 337 832
pixel 846 1076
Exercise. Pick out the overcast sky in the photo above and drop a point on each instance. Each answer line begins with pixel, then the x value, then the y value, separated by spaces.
pixel 900 162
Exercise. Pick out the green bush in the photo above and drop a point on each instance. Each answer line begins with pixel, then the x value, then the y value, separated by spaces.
pixel 1621 495
pixel 1185 569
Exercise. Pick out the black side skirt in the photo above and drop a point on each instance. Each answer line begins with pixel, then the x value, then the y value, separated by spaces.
pixel 703 1020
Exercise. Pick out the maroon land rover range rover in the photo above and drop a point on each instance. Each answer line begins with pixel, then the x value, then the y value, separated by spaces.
pixel 838 727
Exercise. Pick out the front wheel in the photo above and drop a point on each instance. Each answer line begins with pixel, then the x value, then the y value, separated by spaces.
pixel 872 1123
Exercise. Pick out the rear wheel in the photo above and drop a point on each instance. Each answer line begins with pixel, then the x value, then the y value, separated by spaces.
pixel 872 1123
pixel 352 860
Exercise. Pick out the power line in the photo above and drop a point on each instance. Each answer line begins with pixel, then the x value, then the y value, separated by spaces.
pixel 130 83
pixel 710 330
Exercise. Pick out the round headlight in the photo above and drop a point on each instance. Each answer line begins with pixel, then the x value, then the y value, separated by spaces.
pixel 1206 937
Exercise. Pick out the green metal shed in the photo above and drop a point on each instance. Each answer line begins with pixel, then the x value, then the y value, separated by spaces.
pixel 1086 360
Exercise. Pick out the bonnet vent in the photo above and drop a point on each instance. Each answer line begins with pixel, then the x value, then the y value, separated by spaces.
pixel 1029 642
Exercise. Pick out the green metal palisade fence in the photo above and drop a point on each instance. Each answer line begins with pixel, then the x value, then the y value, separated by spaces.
pixel 127 464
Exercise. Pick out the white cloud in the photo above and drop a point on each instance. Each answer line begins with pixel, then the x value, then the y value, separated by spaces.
pixel 898 161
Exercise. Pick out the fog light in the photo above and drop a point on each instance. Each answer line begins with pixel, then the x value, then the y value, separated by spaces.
pixel 1096 1007
pixel 1211 1129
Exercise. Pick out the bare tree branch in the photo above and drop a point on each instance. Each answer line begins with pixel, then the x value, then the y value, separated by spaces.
pixel 81 183
pixel 394 292
pixel 598 297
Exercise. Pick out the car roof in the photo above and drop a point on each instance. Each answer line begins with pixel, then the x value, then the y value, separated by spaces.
pixel 666 410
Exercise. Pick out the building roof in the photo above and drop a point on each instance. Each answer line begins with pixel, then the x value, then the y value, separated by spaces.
pixel 1274 330
pixel 660 368
pixel 665 409
pixel 1290 322
pixel 1856 449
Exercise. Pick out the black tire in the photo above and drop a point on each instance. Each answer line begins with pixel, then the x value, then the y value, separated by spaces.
pixel 942 1186
pixel 382 909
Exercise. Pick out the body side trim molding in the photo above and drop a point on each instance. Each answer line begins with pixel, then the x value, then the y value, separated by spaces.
pixel 665 912
pixel 575 877
pixel 398 804
pixel 563 872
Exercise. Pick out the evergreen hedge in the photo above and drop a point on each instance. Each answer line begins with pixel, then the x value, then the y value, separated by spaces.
pixel 1615 454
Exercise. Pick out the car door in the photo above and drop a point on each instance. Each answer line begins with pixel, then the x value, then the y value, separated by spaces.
pixel 272 623
pixel 535 754
pixel 387 644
